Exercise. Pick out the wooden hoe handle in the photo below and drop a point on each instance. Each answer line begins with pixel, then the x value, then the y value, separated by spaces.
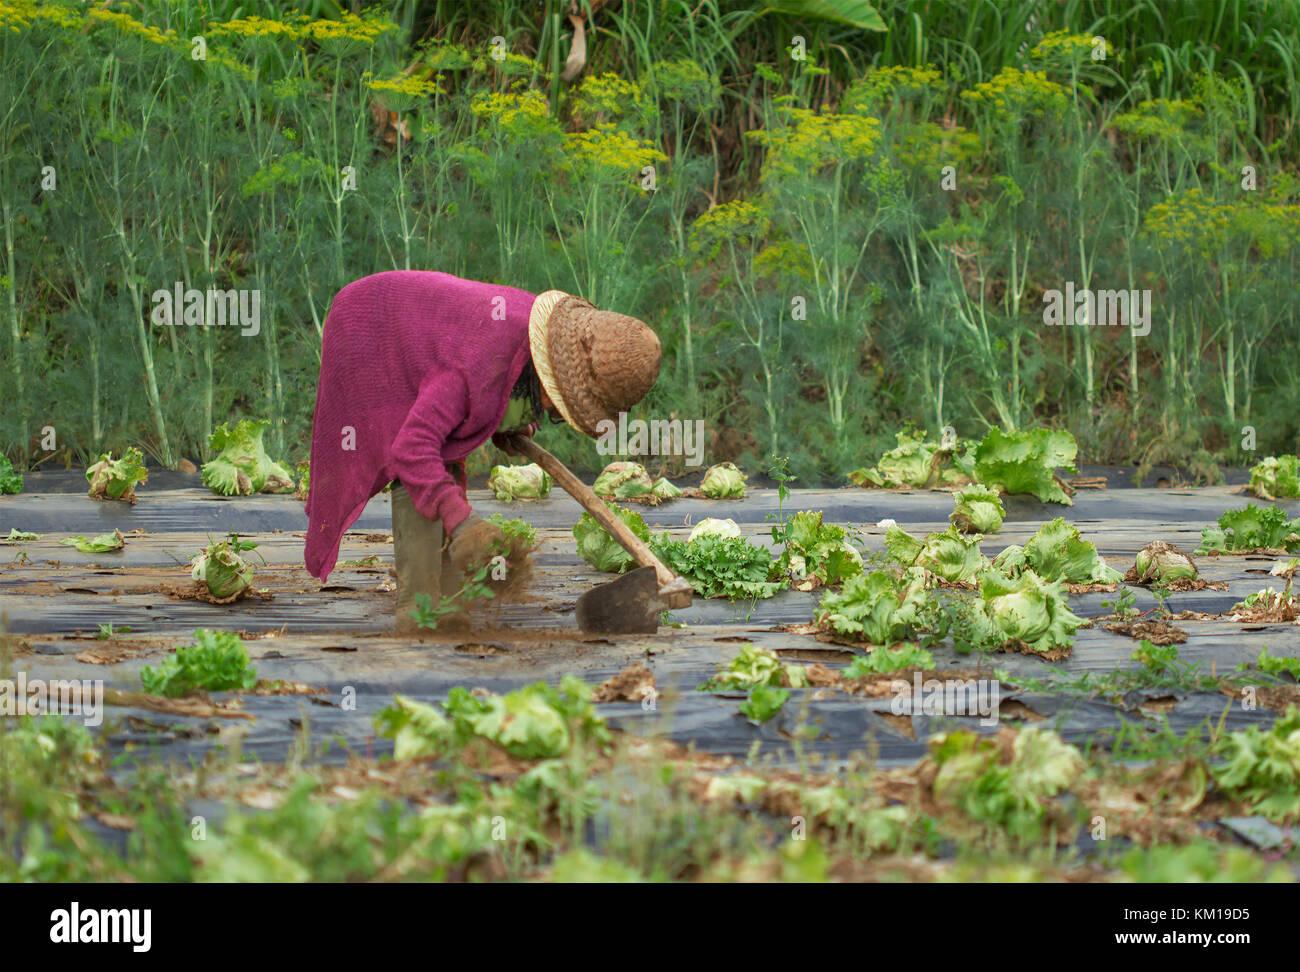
pixel 669 582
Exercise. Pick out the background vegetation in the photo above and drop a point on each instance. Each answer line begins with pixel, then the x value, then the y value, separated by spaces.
pixel 775 178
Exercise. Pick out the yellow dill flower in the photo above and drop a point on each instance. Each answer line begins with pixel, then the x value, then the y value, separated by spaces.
pixel 18 14
pixel 784 260
pixel 509 64
pixel 224 60
pixel 887 83
pixel 927 147
pixel 683 80
pixel 1161 119
pixel 1014 93
pixel 605 151
pixel 738 220
pixel 521 114
pixel 255 27
pixel 130 26
pixel 448 57
pixel 1196 223
pixel 1063 47
pixel 810 142
pixel 405 84
pixel 608 98
pixel 349 34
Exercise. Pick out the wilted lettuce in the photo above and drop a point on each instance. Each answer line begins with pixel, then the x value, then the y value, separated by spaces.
pixel 664 490
pixel 763 703
pixel 1004 787
pixel 1263 768
pixel 816 553
pixel 10 481
pixel 1021 610
pixel 220 569
pixel 920 463
pixel 755 666
pixel 877 608
pixel 217 661
pixel 534 722
pixel 528 482
pixel 949 554
pixel 104 543
pixel 1058 552
pixel 116 479
pixel 623 480
pixel 724 481
pixel 601 550
pixel 1276 476
pixel 1252 528
pixel 884 659
pixel 1026 462
pixel 241 466
pixel 977 509
pixel 1161 562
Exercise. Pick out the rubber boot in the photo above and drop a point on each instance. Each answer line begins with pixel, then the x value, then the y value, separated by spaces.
pixel 417 549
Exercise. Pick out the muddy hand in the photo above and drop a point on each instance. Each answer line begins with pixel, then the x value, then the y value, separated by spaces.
pixel 474 542
pixel 505 441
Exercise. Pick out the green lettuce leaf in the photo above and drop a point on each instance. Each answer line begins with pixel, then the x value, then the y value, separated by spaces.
pixel 601 550
pixel 875 607
pixel 1058 552
pixel 11 482
pixel 217 661
pixel 1276 476
pixel 977 509
pixel 724 481
pixel 623 480
pixel 1022 609
pixel 241 466
pixel 116 479
pixel 1026 462
pixel 1251 528
pixel 919 463
pixel 104 543
pixel 511 483
pixel 717 565
pixel 948 554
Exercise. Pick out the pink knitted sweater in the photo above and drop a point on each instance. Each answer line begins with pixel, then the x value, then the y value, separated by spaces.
pixel 416 371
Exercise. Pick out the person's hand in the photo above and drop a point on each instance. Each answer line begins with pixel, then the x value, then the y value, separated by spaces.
pixel 505 440
pixel 473 543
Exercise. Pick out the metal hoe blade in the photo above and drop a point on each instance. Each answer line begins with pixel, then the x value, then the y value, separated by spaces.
pixel 630 605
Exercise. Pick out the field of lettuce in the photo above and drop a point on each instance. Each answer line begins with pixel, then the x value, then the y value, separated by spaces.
pixel 961 682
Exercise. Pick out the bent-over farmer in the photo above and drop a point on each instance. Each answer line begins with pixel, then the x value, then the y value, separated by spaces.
pixel 418 369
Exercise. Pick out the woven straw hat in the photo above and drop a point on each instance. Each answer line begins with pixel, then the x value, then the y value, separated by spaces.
pixel 592 363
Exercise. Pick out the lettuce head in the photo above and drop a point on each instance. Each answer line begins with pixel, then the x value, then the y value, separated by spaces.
pixel 241 466
pixel 528 482
pixel 875 607
pixel 221 569
pixel 977 509
pixel 724 481
pixel 116 479
pixel 1023 609
pixel 1058 552
pixel 1026 462
pixel 949 554
pixel 602 551
pixel 623 480
pixel 1276 476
